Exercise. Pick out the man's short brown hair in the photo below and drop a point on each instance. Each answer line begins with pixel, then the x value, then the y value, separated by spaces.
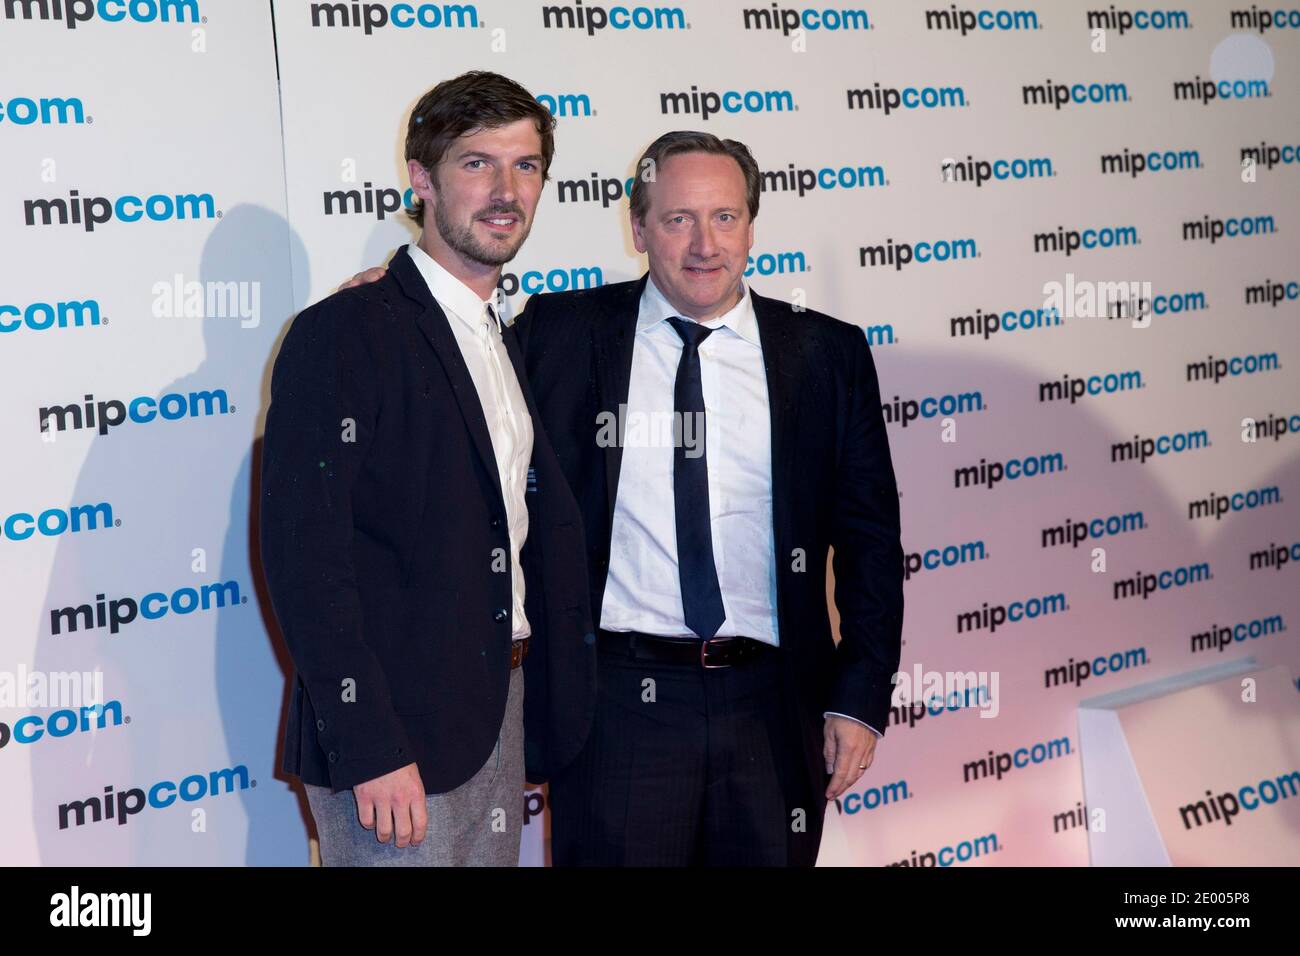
pixel 472 101
pixel 689 141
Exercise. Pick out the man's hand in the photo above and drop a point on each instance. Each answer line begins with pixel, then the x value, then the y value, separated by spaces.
pixel 848 748
pixel 394 802
pixel 363 277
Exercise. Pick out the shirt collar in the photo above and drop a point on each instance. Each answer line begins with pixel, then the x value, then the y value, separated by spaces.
pixel 740 318
pixel 452 294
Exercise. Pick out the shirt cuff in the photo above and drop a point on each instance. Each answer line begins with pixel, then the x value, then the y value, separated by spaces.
pixel 831 713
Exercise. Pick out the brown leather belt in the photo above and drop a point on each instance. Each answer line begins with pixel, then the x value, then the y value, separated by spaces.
pixel 715 652
pixel 518 651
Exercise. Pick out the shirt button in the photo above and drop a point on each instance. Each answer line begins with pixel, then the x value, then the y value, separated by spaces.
pixel 320 725
pixel 501 615
pixel 334 758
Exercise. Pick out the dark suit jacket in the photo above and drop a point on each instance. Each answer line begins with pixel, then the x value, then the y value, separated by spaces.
pixel 832 483
pixel 378 548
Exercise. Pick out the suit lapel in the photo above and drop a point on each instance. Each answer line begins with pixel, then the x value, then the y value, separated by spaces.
pixel 784 362
pixel 537 463
pixel 615 336
pixel 433 324
pixel 517 360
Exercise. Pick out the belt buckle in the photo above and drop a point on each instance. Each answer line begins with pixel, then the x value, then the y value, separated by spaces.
pixel 704 652
pixel 518 651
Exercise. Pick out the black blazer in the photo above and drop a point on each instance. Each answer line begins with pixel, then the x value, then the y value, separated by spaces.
pixel 832 483
pixel 381 515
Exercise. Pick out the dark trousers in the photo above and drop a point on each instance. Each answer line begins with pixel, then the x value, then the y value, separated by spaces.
pixel 687 766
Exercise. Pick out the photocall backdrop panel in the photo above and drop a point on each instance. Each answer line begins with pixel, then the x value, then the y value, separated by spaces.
pixel 1066 230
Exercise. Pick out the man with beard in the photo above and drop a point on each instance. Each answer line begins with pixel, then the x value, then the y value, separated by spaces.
pixel 419 540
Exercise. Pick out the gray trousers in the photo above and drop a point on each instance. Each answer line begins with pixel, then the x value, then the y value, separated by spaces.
pixel 477 824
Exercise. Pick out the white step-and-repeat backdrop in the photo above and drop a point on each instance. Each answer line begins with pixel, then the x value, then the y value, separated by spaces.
pixel 1069 232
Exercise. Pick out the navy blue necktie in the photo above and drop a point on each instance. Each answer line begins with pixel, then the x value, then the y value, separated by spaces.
pixel 701 596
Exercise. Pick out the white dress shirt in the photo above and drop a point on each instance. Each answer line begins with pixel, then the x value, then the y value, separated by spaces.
pixel 477 329
pixel 643 589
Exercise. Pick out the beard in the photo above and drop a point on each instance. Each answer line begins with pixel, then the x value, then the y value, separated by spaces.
pixel 462 239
